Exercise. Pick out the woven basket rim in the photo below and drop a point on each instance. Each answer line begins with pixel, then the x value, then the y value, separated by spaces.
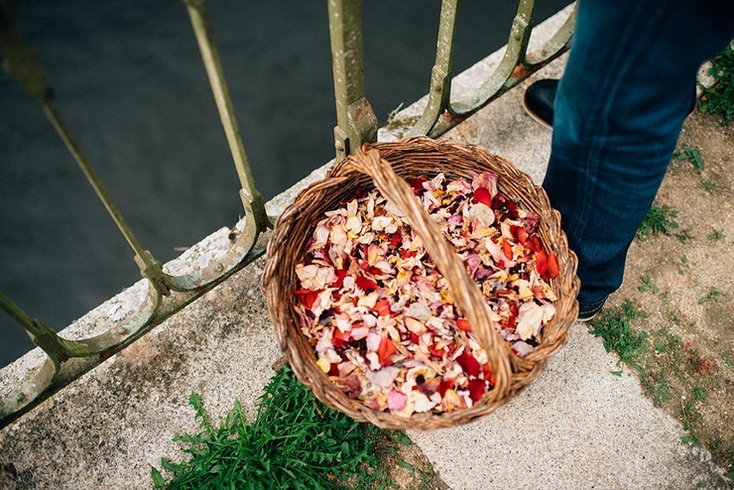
pixel 424 156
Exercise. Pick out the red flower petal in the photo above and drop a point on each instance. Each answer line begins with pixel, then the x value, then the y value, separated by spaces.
pixel 417 184
pixel 512 209
pixel 374 271
pixel 533 243
pixel 468 363
pixel 366 284
pixel 514 308
pixel 489 375
pixel 482 195
pixel 306 296
pixel 521 235
pixel 476 389
pixel 498 202
pixel 339 338
pixel 552 270
pixel 445 385
pixel 382 307
pixel 507 249
pixel 340 275
pixel 541 261
pixel 433 349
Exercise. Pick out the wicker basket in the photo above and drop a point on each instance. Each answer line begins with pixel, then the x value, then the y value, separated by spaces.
pixel 408 159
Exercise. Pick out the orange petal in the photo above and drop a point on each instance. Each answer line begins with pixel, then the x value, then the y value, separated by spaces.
pixel 386 350
pixel 463 324
pixel 382 307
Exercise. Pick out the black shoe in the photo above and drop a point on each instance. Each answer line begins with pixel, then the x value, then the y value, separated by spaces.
pixel 587 311
pixel 540 99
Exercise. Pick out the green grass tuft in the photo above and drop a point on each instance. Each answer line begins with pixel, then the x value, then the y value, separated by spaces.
pixel 659 219
pixel 614 327
pixel 711 296
pixel 719 99
pixel 295 442
pixel 693 155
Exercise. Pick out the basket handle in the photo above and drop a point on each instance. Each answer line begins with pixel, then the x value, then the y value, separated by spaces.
pixel 467 295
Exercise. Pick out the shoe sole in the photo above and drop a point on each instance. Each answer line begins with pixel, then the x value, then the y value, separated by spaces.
pixel 534 116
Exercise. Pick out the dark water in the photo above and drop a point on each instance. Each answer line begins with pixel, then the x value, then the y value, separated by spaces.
pixel 130 84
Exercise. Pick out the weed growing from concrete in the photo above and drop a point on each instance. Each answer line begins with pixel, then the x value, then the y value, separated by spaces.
pixel 648 285
pixel 294 442
pixel 688 416
pixel 712 295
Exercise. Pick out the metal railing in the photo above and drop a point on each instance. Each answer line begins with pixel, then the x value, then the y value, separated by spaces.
pixel 356 123
pixel 67 359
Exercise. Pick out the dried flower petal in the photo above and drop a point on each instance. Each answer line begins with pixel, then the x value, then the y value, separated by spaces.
pixel 477 387
pixel 483 196
pixel 463 324
pixel 396 400
pixel 366 284
pixel 386 350
pixel 381 319
pixel 383 377
pixel 469 363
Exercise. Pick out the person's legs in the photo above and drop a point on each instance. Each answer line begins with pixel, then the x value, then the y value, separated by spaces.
pixel 619 110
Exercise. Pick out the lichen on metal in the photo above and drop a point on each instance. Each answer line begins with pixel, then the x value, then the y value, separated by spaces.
pixel 440 88
pixel 356 121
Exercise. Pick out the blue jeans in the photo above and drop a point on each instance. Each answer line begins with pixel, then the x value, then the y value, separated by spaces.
pixel 628 85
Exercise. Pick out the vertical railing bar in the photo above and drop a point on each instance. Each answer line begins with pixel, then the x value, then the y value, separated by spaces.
pixel 356 122
pixel 149 266
pixel 517 64
pixel 213 66
pixel 23 63
pixel 517 45
pixel 440 88
pixel 71 145
pixel 559 42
